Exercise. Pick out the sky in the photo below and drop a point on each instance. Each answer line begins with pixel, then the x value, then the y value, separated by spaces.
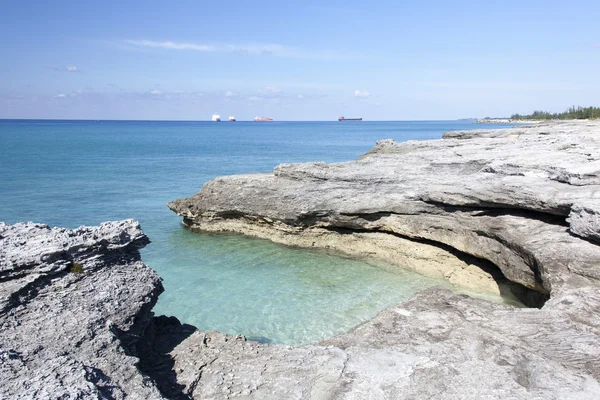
pixel 309 60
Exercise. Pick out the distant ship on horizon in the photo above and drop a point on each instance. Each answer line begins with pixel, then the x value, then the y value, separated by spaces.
pixel 262 119
pixel 216 118
pixel 342 118
pixel 231 119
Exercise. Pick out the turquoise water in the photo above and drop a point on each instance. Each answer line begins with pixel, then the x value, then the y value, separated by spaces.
pixel 72 173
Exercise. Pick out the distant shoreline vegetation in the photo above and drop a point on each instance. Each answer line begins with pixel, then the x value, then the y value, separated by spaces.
pixel 571 113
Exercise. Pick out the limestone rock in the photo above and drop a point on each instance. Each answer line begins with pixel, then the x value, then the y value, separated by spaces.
pixel 437 345
pixel 524 199
pixel 72 305
pixel 499 195
pixel 584 220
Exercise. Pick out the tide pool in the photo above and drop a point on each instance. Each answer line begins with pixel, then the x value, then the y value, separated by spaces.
pixel 72 173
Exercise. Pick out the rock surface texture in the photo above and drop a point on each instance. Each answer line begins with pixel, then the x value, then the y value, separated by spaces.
pixel 525 199
pixel 72 306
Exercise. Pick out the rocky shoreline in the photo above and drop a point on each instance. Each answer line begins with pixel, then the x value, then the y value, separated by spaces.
pixel 508 121
pixel 518 204
pixel 521 199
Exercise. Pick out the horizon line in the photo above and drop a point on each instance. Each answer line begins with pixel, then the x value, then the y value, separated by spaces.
pixel 249 120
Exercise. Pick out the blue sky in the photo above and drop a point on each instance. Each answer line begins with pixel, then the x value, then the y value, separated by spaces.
pixel 309 60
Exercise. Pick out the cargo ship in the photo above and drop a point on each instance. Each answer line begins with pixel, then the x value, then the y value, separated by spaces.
pixel 216 118
pixel 342 118
pixel 262 119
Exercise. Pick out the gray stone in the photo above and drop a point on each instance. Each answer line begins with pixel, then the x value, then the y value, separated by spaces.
pixel 73 304
pixel 584 220
pixel 436 345
pixel 504 197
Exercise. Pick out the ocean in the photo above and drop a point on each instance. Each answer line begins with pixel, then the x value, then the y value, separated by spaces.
pixel 72 173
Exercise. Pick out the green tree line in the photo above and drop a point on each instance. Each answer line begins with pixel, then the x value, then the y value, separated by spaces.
pixel 571 113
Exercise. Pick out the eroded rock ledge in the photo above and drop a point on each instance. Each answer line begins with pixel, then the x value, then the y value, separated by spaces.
pixel 76 323
pixel 525 199
pixel 75 305
pixel 521 198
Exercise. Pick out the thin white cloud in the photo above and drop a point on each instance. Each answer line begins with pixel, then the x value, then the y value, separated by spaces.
pixel 170 45
pixel 271 90
pixel 511 86
pixel 68 68
pixel 289 85
pixel 251 49
pixel 363 94
pixel 248 97
pixel 12 97
pixel 258 49
pixel 243 50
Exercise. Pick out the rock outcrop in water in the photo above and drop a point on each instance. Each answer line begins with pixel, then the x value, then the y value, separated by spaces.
pixel 75 305
pixel 520 198
pixel 525 199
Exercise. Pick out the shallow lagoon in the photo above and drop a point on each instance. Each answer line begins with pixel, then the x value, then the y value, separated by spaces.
pixel 69 173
